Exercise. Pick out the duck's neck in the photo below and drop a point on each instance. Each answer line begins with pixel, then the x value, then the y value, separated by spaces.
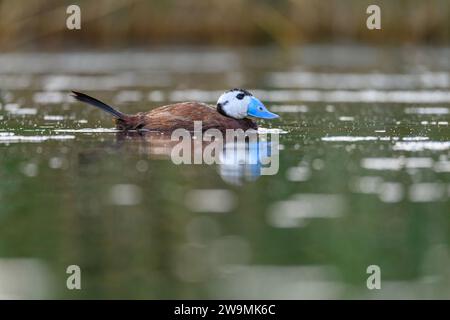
pixel 251 123
pixel 220 110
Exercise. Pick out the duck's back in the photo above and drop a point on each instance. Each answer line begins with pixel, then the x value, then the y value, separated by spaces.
pixel 183 115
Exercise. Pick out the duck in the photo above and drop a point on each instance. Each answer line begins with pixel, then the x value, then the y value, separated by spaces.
pixel 235 109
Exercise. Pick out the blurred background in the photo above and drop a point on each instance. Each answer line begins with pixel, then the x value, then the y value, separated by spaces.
pixel 40 24
pixel 364 155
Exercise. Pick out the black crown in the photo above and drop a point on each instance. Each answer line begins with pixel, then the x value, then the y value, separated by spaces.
pixel 245 92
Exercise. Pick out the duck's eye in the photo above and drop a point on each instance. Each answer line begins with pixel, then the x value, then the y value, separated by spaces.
pixel 240 96
pixel 260 108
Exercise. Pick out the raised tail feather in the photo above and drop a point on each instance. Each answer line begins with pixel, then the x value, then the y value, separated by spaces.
pixel 123 121
pixel 97 103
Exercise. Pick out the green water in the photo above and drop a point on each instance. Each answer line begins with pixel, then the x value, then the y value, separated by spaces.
pixel 363 177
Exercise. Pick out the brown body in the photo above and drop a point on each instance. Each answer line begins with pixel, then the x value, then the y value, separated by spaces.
pixel 182 115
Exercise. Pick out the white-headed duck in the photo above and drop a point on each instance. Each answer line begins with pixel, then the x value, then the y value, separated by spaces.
pixel 233 111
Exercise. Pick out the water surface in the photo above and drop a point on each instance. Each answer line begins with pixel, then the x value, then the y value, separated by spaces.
pixel 363 177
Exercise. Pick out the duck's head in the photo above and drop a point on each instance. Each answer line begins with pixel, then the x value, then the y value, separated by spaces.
pixel 240 104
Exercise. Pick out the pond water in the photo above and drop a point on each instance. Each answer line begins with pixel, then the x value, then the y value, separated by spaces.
pixel 363 177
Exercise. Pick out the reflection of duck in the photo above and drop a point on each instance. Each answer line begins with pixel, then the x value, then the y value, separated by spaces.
pixel 238 162
pixel 233 110
pixel 242 162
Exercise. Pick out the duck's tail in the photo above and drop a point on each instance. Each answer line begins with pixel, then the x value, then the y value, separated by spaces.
pixel 122 120
pixel 101 105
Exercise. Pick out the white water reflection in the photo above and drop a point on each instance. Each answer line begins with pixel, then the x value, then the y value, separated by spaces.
pixel 298 173
pixel 305 79
pixel 210 200
pixel 128 96
pixel 103 82
pixel 22 278
pixel 346 118
pixel 427 192
pixel 276 282
pixel 370 138
pixel 194 95
pixel 125 195
pixel 392 192
pixel 295 211
pixel 49 117
pixel 349 139
pixel 290 108
pixel 443 165
pixel 427 110
pixel 51 97
pixel 9 81
pixel 366 184
pixel 12 138
pixel 344 57
pixel 396 163
pixel 88 130
pixel 434 123
pixel 97 63
pixel 415 146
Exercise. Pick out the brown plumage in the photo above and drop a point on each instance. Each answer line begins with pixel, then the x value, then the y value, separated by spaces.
pixel 171 117
pixel 183 115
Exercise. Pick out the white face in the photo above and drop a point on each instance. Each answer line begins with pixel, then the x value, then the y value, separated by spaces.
pixel 234 103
